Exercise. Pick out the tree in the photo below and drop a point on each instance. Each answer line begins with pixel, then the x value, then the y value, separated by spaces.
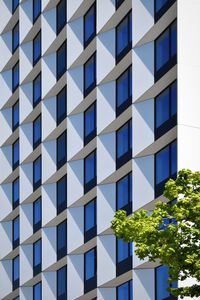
pixel 176 243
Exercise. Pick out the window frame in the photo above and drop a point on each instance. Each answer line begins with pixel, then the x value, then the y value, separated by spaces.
pixel 127 207
pixel 37 184
pixel 92 134
pixel 16 203
pixel 13 36
pixel 91 283
pixel 92 183
pixel 58 30
pixel 14 127
pixel 38 58
pixel 35 103
pixel 62 207
pixel 35 17
pixel 37 226
pixel 59 75
pixel 38 142
pixel 126 264
pixel 16 164
pixel 40 282
pixel 15 243
pixel 88 41
pixel 37 268
pixel 62 297
pixel 158 14
pixel 63 251
pixel 92 232
pixel 15 283
pixel 120 161
pixel 92 85
pixel 14 88
pixel 62 162
pixel 120 109
pixel 60 119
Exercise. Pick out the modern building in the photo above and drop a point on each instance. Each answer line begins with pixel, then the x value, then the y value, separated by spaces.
pixel 90 122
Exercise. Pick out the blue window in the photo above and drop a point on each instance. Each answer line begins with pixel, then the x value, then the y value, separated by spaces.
pixel 118 3
pixel 15 115
pixel 90 75
pixel 90 123
pixel 166 51
pixel 16 298
pixel 90 276
pixel 15 4
pixel 61 105
pixel 62 283
pixel 90 171
pixel 61 15
pixel 37 132
pixel 37 173
pixel 61 149
pixel 166 110
pixel 15 154
pixel 15 37
pixel 61 240
pixel 90 25
pixel 124 91
pixel 90 222
pixel 37 215
pixel 61 64
pixel 37 291
pixel 15 77
pixel 124 256
pixel 15 193
pixel 162 284
pixel 36 9
pixel 37 48
pixel 124 144
pixel 15 265
pixel 37 257
pixel 124 37
pixel 124 193
pixel 125 291
pixel 161 6
pixel 62 194
pixel 16 232
pixel 166 166
pixel 37 90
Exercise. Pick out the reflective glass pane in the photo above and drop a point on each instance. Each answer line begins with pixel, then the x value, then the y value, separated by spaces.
pixel 89 264
pixel 37 130
pixel 16 229
pixel 162 108
pixel 16 76
pixel 90 218
pixel 37 48
pixel 62 191
pixel 122 88
pixel 160 4
pixel 37 253
pixel 89 25
pixel 122 35
pixel 61 105
pixel 90 167
pixel 90 76
pixel 174 99
pixel 122 141
pixel 36 9
pixel 61 281
pixel 61 60
pixel 15 3
pixel 174 39
pixel 37 170
pixel 62 235
pixel 122 192
pixel 122 250
pixel 162 50
pixel 90 120
pixel 123 292
pixel 15 36
pixel 37 89
pixel 16 153
pixel 37 211
pixel 37 291
pixel 61 148
pixel 162 165
pixel 174 158
pixel 16 190
pixel 16 115
pixel 162 283
pixel 16 268
pixel 61 15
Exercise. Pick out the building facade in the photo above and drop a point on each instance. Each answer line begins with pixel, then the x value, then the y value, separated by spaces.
pixel 98 108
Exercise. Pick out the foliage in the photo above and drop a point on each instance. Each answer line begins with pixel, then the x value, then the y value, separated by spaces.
pixel 175 243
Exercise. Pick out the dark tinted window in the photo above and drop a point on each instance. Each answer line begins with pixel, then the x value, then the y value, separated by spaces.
pixel 161 6
pixel 15 115
pixel 15 154
pixel 118 3
pixel 37 48
pixel 62 194
pixel 62 283
pixel 124 256
pixel 37 173
pixel 37 257
pixel 16 232
pixel 90 270
pixel 162 284
pixel 124 91
pixel 37 214
pixel 37 291
pixel 125 291
pixel 15 77
pixel 124 37
pixel 61 149
pixel 90 75
pixel 15 272
pixel 90 123
pixel 90 171
pixel 61 105
pixel 15 4
pixel 36 9
pixel 124 193
pixel 61 15
pixel 89 25
pixel 15 193
pixel 37 90
pixel 90 220
pixel 124 144
pixel 37 132
pixel 61 60
pixel 61 240
pixel 15 36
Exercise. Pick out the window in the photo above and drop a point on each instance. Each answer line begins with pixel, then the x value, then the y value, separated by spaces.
pixel 118 3
pixel 37 48
pixel 162 284
pixel 61 63
pixel 90 75
pixel 15 150
pixel 166 110
pixel 61 105
pixel 124 193
pixel 37 90
pixel 37 291
pixel 62 283
pixel 124 91
pixel 61 15
pixel 61 149
pixel 37 214
pixel 124 256
pixel 15 273
pixel 124 37
pixel 166 51
pixel 166 166
pixel 15 77
pixel 124 144
pixel 90 171
pixel 90 267
pixel 62 194
pixel 15 4
pixel 16 232
pixel 37 132
pixel 37 257
pixel 125 291
pixel 37 174
pixel 15 193
pixel 90 222
pixel 89 25
pixel 90 123
pixel 15 37
pixel 61 240
pixel 15 115
pixel 161 6
pixel 36 9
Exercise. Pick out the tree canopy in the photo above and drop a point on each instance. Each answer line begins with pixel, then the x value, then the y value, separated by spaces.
pixel 170 233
